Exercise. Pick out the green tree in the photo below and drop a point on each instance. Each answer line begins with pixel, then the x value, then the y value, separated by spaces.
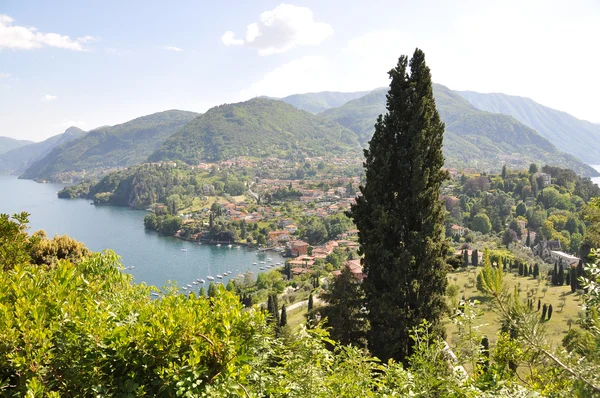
pixel 399 215
pixel 344 309
pixel 521 209
pixel 202 292
pixel 283 321
pixel 310 302
pixel 475 258
pixel 533 168
pixel 14 242
pixel 212 290
pixel 481 223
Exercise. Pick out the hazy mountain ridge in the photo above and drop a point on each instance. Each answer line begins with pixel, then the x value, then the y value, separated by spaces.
pixel 474 138
pixel 259 127
pixel 318 102
pixel 8 143
pixel 116 146
pixel 577 137
pixel 17 160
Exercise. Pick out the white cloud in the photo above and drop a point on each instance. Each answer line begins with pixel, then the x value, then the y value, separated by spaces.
pixel 48 98
pixel 4 75
pixel 281 29
pixel 298 76
pixel 171 48
pixel 17 37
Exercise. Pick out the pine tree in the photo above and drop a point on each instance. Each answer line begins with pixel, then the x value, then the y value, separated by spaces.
pixel 536 270
pixel 528 240
pixel 399 215
pixel 504 172
pixel 283 321
pixel 230 286
pixel 465 258
pixel 310 302
pixel 485 354
pixel 202 292
pixel 521 270
pixel 549 311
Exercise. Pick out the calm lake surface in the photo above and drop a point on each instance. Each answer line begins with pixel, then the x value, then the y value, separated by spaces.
pixel 155 259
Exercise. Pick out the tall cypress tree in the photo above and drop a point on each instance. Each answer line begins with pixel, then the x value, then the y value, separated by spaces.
pixel 283 321
pixel 399 215
pixel 475 258
pixel 573 272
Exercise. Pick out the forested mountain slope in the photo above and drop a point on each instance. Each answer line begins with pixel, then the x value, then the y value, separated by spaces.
pixel 17 160
pixel 259 127
pixel 577 137
pixel 110 147
pixel 474 138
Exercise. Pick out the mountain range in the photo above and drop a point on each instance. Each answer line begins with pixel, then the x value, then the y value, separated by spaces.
pixel 475 139
pixel 577 137
pixel 109 147
pixel 7 144
pixel 289 128
pixel 17 160
pixel 261 128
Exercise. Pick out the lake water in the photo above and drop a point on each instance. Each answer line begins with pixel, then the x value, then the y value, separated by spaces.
pixel 596 179
pixel 155 259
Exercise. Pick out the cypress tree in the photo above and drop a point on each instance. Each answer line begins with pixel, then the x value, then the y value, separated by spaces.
pixel 536 270
pixel 528 240
pixel 521 271
pixel 503 172
pixel 465 258
pixel 544 310
pixel 539 304
pixel 310 302
pixel 475 258
pixel 579 273
pixel 568 277
pixel 555 275
pixel 283 321
pixel 574 281
pixel 202 292
pixel 212 290
pixel 549 311
pixel 400 217
pixel 485 354
pixel 561 275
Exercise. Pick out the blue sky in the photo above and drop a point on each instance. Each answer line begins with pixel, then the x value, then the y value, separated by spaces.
pixel 93 63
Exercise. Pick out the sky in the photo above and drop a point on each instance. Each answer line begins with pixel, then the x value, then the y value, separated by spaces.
pixel 95 63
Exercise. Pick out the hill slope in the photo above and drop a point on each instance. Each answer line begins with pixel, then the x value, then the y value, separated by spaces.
pixel 109 147
pixel 7 144
pixel 17 160
pixel 474 138
pixel 318 102
pixel 574 136
pixel 259 127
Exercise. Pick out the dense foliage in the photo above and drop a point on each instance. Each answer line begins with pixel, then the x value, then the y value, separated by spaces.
pixel 259 127
pixel 109 147
pixel 399 215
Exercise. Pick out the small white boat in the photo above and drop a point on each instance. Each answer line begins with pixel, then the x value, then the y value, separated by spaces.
pixel 195 282
pixel 183 250
pixel 188 285
pixel 254 264
pixel 201 281
pixel 184 288
pixel 220 276
pixel 262 262
pixel 269 265
pixel 237 247
pixel 262 268
pixel 218 245
pixel 210 278
pixel 154 294
pixel 225 274
pixel 269 259
pixel 230 246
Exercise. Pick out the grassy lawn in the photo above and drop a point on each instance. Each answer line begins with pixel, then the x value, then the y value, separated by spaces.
pixel 296 317
pixel 488 322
